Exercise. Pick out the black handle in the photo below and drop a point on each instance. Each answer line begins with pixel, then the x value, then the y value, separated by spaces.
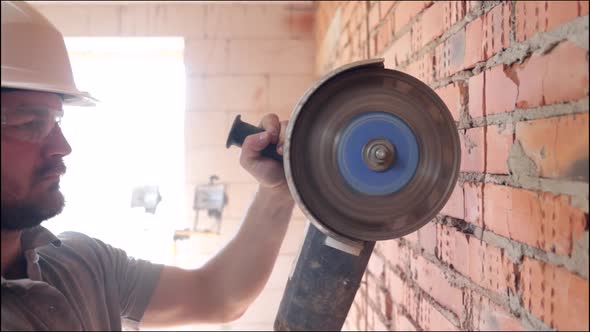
pixel 240 130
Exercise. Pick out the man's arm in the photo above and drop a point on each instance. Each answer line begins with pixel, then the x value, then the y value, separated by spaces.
pixel 223 288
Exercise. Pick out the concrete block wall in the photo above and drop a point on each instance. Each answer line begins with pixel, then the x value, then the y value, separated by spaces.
pixel 241 58
pixel 510 249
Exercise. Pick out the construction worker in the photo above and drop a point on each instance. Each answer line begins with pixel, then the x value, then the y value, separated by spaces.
pixel 72 281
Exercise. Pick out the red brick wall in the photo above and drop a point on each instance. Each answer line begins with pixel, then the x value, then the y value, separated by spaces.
pixel 510 249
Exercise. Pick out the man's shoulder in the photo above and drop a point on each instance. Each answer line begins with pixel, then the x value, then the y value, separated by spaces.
pixel 75 244
pixel 75 237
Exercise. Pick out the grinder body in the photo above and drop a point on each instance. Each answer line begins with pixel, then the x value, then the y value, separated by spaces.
pixel 322 285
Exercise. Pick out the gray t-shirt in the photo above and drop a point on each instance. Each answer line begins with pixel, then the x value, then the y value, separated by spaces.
pixel 76 283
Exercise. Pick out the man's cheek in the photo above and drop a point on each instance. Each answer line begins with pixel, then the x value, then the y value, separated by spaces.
pixel 15 187
pixel 11 191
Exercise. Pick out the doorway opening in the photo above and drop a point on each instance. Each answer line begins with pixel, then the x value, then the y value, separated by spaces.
pixel 133 138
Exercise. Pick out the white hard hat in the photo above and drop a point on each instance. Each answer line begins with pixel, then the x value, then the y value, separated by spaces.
pixel 34 55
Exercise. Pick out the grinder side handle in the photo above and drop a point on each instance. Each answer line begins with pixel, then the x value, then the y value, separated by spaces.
pixel 240 130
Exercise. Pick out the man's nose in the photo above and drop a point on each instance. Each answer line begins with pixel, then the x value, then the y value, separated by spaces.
pixel 56 144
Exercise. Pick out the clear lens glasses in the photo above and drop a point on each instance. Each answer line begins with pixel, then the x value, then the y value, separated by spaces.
pixel 29 123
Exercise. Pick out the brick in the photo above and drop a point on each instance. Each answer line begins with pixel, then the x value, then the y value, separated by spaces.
pixel 455 206
pixel 379 324
pixel 541 16
pixel 422 68
pixel 416 33
pixel 473 202
pixel 453 248
pixel 430 319
pixel 398 52
pixel 395 254
pixel 412 237
pixel 405 11
pixel 432 280
pixel 530 19
pixel 565 83
pixel 394 285
pixel 453 96
pixel 554 295
pixel 285 91
pixel 227 93
pixel 476 96
pixel 432 22
pixel 427 237
pixel 544 80
pixel 488 316
pixel 539 219
pixel 301 24
pixel 456 46
pixel 474 42
pixel 385 8
pixel 359 16
pixel 472 150
pixel 530 87
pixel 490 268
pixel 559 12
pixel 499 140
pixel 473 5
pixel 450 55
pixel 402 323
pixel 206 56
pixel 583 7
pixel 243 21
pixel 496 29
pixel 226 166
pixel 411 300
pixel 74 22
pixel 387 306
pixel 498 209
pixel 360 299
pixel 454 11
pixel 347 10
pixel 484 264
pixel 500 91
pixel 344 39
pixel 184 19
pixel 376 267
pixel 374 17
pixel 384 36
pixel 83 20
pixel 205 129
pixel 271 56
pixel 557 146
pixel 373 293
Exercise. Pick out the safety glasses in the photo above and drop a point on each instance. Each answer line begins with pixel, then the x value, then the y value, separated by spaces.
pixel 31 124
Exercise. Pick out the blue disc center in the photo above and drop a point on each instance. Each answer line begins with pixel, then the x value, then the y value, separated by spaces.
pixel 367 127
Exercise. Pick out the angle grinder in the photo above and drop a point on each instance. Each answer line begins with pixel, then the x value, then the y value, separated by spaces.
pixel 370 154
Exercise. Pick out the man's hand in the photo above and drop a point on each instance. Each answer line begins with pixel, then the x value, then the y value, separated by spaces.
pixel 268 172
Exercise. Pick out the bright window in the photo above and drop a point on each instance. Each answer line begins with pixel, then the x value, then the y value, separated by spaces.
pixel 134 137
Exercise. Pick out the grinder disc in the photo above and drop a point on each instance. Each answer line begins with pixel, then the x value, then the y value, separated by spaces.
pixel 371 154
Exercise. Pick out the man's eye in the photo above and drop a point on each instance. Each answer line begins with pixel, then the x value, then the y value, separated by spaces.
pixel 30 125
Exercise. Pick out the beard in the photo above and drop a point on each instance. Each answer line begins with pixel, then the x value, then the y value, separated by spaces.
pixel 28 214
pixel 20 214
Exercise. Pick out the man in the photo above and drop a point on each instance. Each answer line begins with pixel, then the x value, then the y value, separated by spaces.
pixel 74 282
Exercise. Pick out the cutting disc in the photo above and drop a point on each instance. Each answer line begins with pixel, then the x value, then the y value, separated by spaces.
pixel 371 153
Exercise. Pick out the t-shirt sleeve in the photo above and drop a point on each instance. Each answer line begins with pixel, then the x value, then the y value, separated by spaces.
pixel 136 280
